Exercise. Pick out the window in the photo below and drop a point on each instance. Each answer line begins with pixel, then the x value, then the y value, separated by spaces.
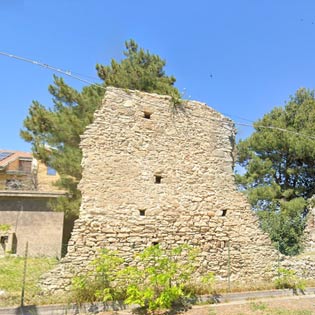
pixel 158 179
pixel 142 213
pixel 4 241
pixel 25 166
pixel 147 115
pixel 224 213
pixel 51 171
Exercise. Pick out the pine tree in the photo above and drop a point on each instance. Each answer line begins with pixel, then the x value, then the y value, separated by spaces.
pixel 141 71
pixel 280 169
pixel 55 132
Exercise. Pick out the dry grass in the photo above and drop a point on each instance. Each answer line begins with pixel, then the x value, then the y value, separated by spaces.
pixel 244 287
pixel 281 306
pixel 285 306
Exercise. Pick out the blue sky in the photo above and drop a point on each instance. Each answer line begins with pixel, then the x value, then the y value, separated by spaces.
pixel 240 57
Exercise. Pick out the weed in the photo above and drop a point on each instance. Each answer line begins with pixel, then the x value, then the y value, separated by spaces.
pixel 5 227
pixel 104 283
pixel 161 279
pixel 259 306
pixel 288 279
pixel 212 311
pixel 290 312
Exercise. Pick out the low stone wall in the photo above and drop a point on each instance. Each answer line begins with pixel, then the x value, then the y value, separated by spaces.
pixel 303 265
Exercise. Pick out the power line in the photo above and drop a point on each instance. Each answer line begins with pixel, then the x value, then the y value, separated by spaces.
pixel 277 128
pixel 239 117
pixel 46 66
pixel 79 77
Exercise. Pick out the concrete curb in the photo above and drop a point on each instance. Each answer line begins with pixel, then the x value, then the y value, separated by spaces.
pixel 62 309
pixel 74 309
pixel 252 295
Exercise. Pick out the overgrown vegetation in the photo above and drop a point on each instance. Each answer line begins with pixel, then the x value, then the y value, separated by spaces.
pixel 157 279
pixel 258 306
pixel 287 279
pixel 104 283
pixel 5 228
pixel 160 278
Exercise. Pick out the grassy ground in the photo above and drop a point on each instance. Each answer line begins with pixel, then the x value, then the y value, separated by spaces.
pixel 11 278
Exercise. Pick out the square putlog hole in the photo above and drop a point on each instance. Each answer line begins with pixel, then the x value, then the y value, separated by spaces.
pixel 147 115
pixel 158 179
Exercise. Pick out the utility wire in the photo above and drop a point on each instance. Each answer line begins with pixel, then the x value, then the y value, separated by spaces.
pixel 239 117
pixel 277 128
pixel 46 66
pixel 79 77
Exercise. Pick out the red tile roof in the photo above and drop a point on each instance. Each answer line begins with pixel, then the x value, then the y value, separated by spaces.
pixel 12 157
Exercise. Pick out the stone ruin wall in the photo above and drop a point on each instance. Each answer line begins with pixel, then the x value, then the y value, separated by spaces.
pixel 135 140
pixel 309 232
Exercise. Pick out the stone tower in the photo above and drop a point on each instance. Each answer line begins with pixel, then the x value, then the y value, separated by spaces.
pixel 155 173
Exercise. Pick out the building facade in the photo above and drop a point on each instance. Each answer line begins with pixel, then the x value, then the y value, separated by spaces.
pixel 26 190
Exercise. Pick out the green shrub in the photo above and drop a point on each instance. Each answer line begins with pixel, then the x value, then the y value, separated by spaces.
pixel 157 279
pixel 5 228
pixel 288 279
pixel 84 288
pixel 259 306
pixel 103 283
pixel 160 277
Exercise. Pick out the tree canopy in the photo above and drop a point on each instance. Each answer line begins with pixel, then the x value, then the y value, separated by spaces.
pixel 55 132
pixel 140 70
pixel 279 163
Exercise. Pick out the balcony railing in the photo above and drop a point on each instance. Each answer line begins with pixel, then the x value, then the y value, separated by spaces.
pixel 18 172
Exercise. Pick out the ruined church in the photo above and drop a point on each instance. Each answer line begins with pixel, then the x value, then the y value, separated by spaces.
pixel 159 173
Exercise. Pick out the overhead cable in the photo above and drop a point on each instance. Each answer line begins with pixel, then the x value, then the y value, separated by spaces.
pixel 80 78
pixel 46 66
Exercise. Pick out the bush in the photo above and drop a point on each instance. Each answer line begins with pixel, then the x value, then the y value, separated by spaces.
pixel 103 283
pixel 288 279
pixel 158 279
pixel 5 228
